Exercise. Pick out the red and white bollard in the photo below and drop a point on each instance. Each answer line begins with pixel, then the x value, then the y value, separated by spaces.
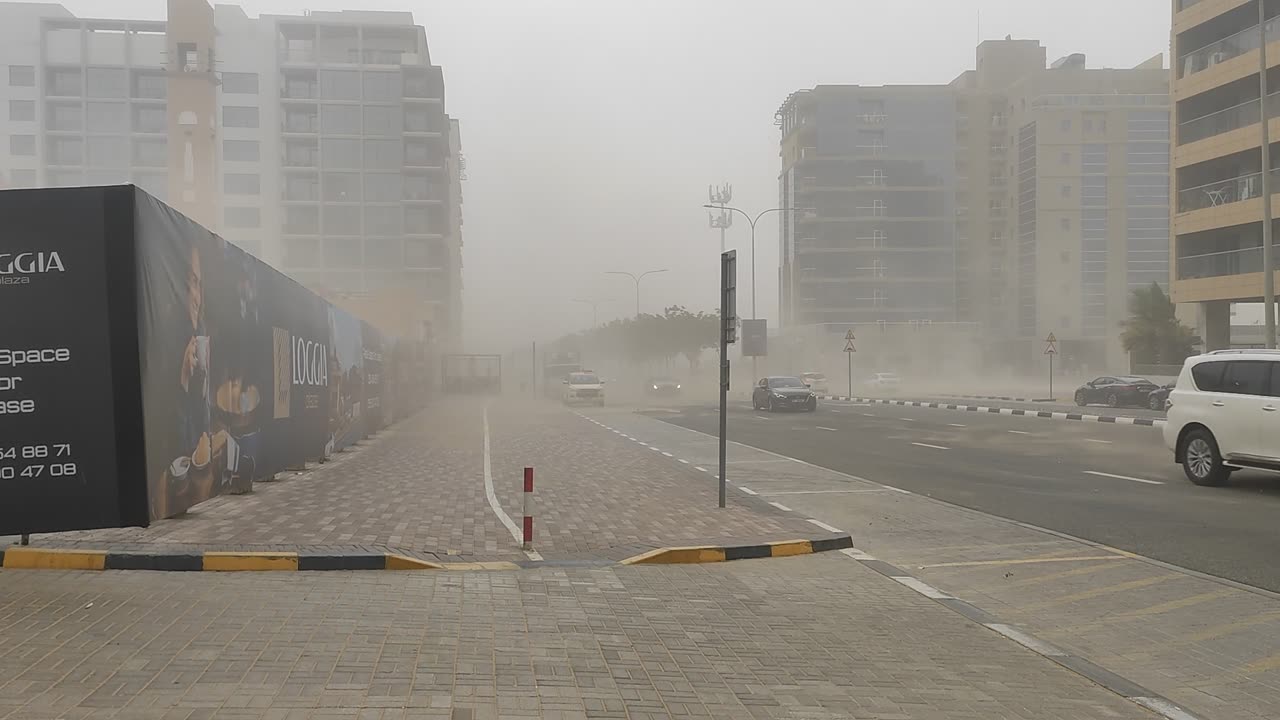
pixel 528 508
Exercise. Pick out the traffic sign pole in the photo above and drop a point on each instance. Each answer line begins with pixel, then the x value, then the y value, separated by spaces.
pixel 849 350
pixel 1051 349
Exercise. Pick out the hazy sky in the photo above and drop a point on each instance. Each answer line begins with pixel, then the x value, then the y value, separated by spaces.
pixel 592 128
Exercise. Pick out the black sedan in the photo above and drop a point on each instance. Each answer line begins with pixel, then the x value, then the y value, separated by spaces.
pixel 1120 391
pixel 662 387
pixel 783 393
pixel 1157 398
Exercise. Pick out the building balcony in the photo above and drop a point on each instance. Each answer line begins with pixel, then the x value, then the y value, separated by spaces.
pixel 1234 46
pixel 1224 121
pixel 1218 264
pixel 1223 192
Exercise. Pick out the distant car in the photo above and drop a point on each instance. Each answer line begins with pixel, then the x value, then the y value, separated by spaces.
pixel 1224 414
pixel 1118 391
pixel 1157 398
pixel 665 387
pixel 884 381
pixel 583 388
pixel 783 393
pixel 816 381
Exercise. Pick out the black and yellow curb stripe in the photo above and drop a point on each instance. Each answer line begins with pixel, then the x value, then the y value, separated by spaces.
pixel 25 558
pixel 725 553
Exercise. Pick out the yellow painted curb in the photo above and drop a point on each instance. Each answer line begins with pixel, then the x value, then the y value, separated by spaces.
pixel 678 555
pixel 788 548
pixel 402 562
pixel 234 561
pixel 20 558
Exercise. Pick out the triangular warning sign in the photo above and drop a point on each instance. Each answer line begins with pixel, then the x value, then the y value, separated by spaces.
pixel 849 348
pixel 1051 339
pixel 849 335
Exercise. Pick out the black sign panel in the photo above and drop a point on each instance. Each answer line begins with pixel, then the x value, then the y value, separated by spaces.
pixel 755 338
pixel 58 454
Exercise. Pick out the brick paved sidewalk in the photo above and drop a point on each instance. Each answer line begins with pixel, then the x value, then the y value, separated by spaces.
pixel 418 488
pixel 816 638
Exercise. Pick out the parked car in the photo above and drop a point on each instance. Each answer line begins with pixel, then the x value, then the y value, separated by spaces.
pixel 816 381
pixel 1224 414
pixel 1120 391
pixel 884 381
pixel 1157 398
pixel 583 388
pixel 783 393
pixel 665 387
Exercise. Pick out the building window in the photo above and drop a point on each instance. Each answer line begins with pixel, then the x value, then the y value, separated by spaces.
pixel 64 151
pixel 188 57
pixel 341 220
pixel 64 116
pixel 22 145
pixel 107 117
pixel 341 186
pixel 240 83
pixel 243 217
pixel 383 154
pixel 1066 191
pixel 108 83
pixel 339 84
pixel 65 83
pixel 22 76
pixel 382 121
pixel 340 119
pixel 301 187
pixel 149 119
pixel 22 110
pixel 151 153
pixel 382 86
pixel 240 150
pixel 383 220
pixel 301 252
pixel 340 153
pixel 384 253
pixel 1064 223
pixel 150 86
pixel 242 184
pixel 238 116
pixel 343 253
pixel 107 152
pixel 383 187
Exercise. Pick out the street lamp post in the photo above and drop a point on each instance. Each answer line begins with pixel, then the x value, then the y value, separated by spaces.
pixel 595 306
pixel 1268 260
pixel 636 279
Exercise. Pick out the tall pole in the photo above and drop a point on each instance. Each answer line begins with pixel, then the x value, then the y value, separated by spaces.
pixel 1268 266
pixel 637 297
pixel 533 367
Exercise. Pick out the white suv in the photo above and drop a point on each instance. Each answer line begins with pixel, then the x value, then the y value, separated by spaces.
pixel 1224 414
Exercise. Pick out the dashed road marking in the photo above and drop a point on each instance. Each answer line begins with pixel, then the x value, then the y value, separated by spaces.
pixel 957 425
pixel 1095 440
pixel 686 462
pixel 1164 707
pixel 857 554
pixel 868 415
pixel 935 447
pixel 827 492
pixel 1123 477
pixel 907 419
pixel 667 454
pixel 780 506
pixel 828 429
pixel 748 490
pixel 824 526
pixel 1019 432
pixel 701 469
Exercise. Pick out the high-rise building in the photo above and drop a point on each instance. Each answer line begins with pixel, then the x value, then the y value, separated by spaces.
pixel 318 142
pixel 1217 221
pixel 1022 198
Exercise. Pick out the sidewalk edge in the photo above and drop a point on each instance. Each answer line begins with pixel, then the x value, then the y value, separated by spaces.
pixel 725 553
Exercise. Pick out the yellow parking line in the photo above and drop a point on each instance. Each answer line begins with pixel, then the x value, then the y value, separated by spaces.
pixel 1216 631
pixel 1038 579
pixel 1099 592
pixel 1263 665
pixel 1174 604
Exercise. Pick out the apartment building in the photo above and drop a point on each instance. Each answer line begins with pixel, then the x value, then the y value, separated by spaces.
pixel 318 142
pixel 1217 220
pixel 1023 198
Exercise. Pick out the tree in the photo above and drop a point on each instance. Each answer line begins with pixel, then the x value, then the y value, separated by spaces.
pixel 1153 334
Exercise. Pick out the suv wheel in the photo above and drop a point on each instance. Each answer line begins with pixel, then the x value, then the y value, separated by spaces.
pixel 773 407
pixel 1201 460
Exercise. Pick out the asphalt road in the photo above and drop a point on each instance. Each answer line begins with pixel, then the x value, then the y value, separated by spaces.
pixel 1111 484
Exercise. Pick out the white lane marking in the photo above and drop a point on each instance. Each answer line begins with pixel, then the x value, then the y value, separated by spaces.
pixel 1095 440
pixel 857 554
pixel 824 526
pixel 781 507
pixel 834 410
pixel 643 443
pixel 935 447
pixel 760 417
pixel 1164 707
pixel 700 469
pixel 1026 640
pixel 908 419
pixel 488 488
pixel 923 588
pixel 747 490
pixel 868 414
pixel 1019 432
pixel 686 462
pixel 664 452
pixel 1122 477
pixel 957 425
pixel 827 429
pixel 825 492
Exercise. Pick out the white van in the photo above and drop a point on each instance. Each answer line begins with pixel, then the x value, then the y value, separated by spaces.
pixel 1224 414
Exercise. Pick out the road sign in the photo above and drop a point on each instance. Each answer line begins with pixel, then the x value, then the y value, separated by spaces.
pixel 849 348
pixel 755 338
pixel 849 335
pixel 1051 345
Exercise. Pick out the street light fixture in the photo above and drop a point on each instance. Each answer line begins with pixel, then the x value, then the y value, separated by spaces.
pixel 636 279
pixel 752 221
